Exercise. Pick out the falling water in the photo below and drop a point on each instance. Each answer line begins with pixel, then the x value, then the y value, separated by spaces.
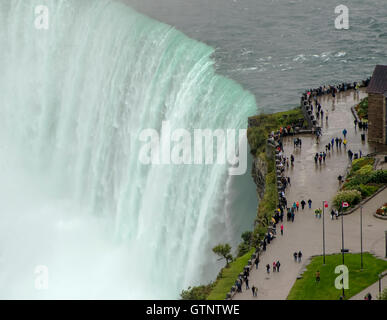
pixel 73 195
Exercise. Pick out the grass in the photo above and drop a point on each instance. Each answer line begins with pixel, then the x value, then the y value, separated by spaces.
pixel 266 123
pixel 308 289
pixel 227 276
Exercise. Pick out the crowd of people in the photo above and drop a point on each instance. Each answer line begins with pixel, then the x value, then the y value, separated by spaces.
pixel 283 163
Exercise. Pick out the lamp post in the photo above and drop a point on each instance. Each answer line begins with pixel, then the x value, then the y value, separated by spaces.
pixel 342 240
pixel 361 237
pixel 385 233
pixel 380 285
pixel 324 204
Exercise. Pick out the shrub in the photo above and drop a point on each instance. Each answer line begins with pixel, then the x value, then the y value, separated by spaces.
pixel 359 163
pixel 378 176
pixel 197 293
pixel 223 251
pixel 367 169
pixel 246 236
pixel 353 197
pixel 243 248
pixel 366 191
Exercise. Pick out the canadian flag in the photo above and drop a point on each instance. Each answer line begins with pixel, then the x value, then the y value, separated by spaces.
pixel 345 204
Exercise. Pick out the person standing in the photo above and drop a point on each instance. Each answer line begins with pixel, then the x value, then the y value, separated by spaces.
pixel 253 290
pixel 278 266
pixel 256 262
pixel 310 203
pixel 297 205
pixel 295 256
pixel 350 155
pixel 303 203
pixel 274 266
pixel 299 256
pixel 317 276
pixel 268 268
pixel 282 229
pixel 247 283
pixel 345 133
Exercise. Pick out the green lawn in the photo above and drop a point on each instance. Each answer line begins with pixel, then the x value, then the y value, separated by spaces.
pixel 308 289
pixel 228 276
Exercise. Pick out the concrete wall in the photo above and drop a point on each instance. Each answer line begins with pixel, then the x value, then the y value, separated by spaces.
pixel 376 118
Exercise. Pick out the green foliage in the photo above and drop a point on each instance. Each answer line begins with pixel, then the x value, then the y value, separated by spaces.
pixel 362 109
pixel 227 276
pixel 367 169
pixel 223 251
pixel 257 136
pixel 359 163
pixel 364 179
pixel 246 236
pixel 308 289
pixel 197 293
pixel 366 190
pixel 353 197
pixel 243 248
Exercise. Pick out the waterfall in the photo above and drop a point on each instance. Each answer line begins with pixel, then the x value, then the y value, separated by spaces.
pixel 74 197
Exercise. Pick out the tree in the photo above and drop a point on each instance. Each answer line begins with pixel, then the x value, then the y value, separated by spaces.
pixel 246 236
pixel 223 251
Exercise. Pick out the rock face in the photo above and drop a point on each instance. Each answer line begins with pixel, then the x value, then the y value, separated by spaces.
pixel 259 171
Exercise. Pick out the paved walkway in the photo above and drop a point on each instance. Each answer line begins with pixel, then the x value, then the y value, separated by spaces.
pixel 374 290
pixel 318 183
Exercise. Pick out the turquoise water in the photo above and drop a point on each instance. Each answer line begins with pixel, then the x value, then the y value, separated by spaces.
pixel 74 196
pixel 278 48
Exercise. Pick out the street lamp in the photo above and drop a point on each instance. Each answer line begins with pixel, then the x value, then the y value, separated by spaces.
pixel 361 237
pixel 324 204
pixel 342 240
pixel 385 233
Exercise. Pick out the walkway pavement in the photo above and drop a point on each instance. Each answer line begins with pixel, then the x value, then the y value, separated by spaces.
pixel 318 183
pixel 374 290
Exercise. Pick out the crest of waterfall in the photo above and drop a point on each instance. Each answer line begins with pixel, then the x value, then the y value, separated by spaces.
pixel 74 196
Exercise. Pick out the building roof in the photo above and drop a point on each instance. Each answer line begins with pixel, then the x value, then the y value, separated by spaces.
pixel 378 82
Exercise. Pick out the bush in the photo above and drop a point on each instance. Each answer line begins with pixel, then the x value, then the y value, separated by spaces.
pixel 353 197
pixel 366 191
pixel 367 169
pixel 243 248
pixel 359 163
pixel 362 109
pixel 378 176
pixel 246 236
pixel 197 293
